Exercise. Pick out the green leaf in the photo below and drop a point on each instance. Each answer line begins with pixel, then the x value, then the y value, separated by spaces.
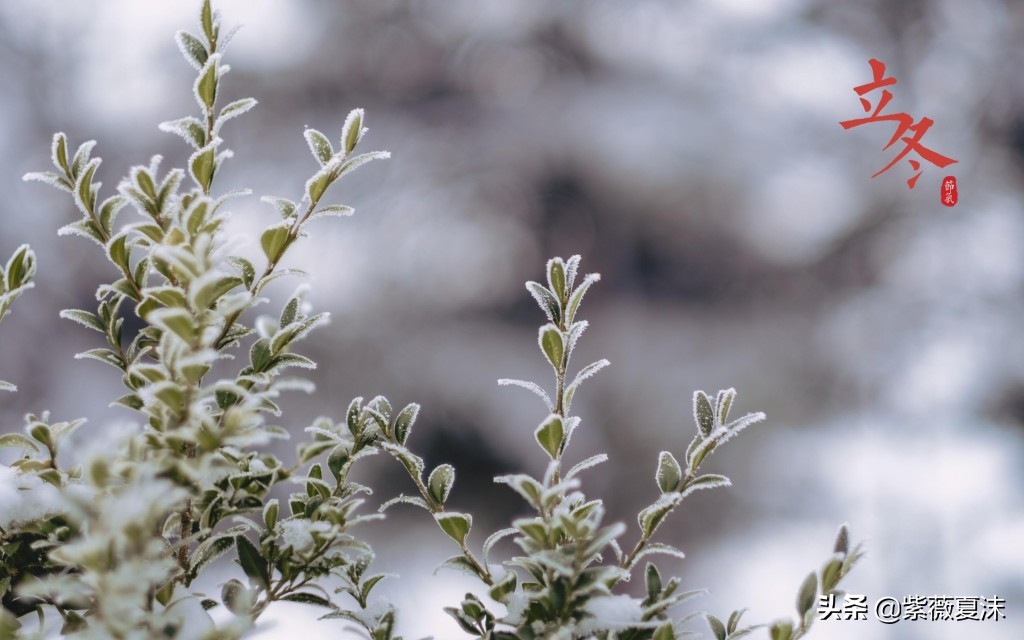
pixel 808 594
pixel 41 433
pixel 274 239
pixel 337 459
pixel 332 211
pixel 556 277
pixel 102 355
pixel 577 297
pixel 440 483
pixel 60 152
pixel 118 252
pixel 283 205
pixel 545 300
pixel 83 318
pixel 319 145
pixel 7 386
pixel 192 48
pixel 703 413
pixel 202 165
pixel 206 22
pixel 245 270
pixel 842 540
pixel 108 212
pixel 700 451
pixel 550 434
pixel 176 320
pixel 206 84
pixel 716 626
pixel 317 185
pixel 723 403
pixel 650 517
pixel 706 481
pixel 782 630
pixel 831 573
pixel 734 620
pixel 352 130
pixel 669 472
pixel 456 525
pixel 16 440
pixel 664 632
pixel 189 128
pixel 504 587
pixel 270 513
pixel 652 580
pixel 212 289
pixel 236 597
pixel 253 564
pixel 260 356
pixel 404 421
pixel 308 598
pixel 552 344
pixel 235 109
pixel 85 194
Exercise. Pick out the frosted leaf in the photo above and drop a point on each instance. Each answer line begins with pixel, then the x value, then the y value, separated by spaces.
pixel 588 371
pixel 319 145
pixel 703 413
pixel 205 87
pixel 234 109
pixel 414 500
pixel 59 152
pixel 192 48
pixel 545 300
pixel 571 267
pixel 82 157
pixel 330 435
pixel 283 205
pixel 189 128
pixel 656 548
pixel 592 461
pixel 495 537
pixel 524 485
pixel 529 386
pixel 575 332
pixel 358 161
pixel 352 131
pixel 334 210
pixel 50 178
pixel 706 481
pixel 614 544
pixel 742 423
pixel 225 38
pixel 554 560
pixel 577 296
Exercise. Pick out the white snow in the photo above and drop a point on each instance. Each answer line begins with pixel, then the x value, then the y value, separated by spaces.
pixel 24 498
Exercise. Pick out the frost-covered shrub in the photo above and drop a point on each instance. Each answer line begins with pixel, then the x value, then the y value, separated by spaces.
pixel 113 547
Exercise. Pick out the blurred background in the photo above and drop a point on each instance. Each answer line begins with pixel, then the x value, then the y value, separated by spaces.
pixel 691 152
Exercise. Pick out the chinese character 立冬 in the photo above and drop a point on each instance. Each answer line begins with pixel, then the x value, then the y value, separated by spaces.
pixel 904 124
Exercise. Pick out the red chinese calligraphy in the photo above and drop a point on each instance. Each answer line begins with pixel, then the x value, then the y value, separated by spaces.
pixel 904 125
pixel 948 192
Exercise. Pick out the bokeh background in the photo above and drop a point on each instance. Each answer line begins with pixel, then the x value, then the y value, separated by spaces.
pixel 691 152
